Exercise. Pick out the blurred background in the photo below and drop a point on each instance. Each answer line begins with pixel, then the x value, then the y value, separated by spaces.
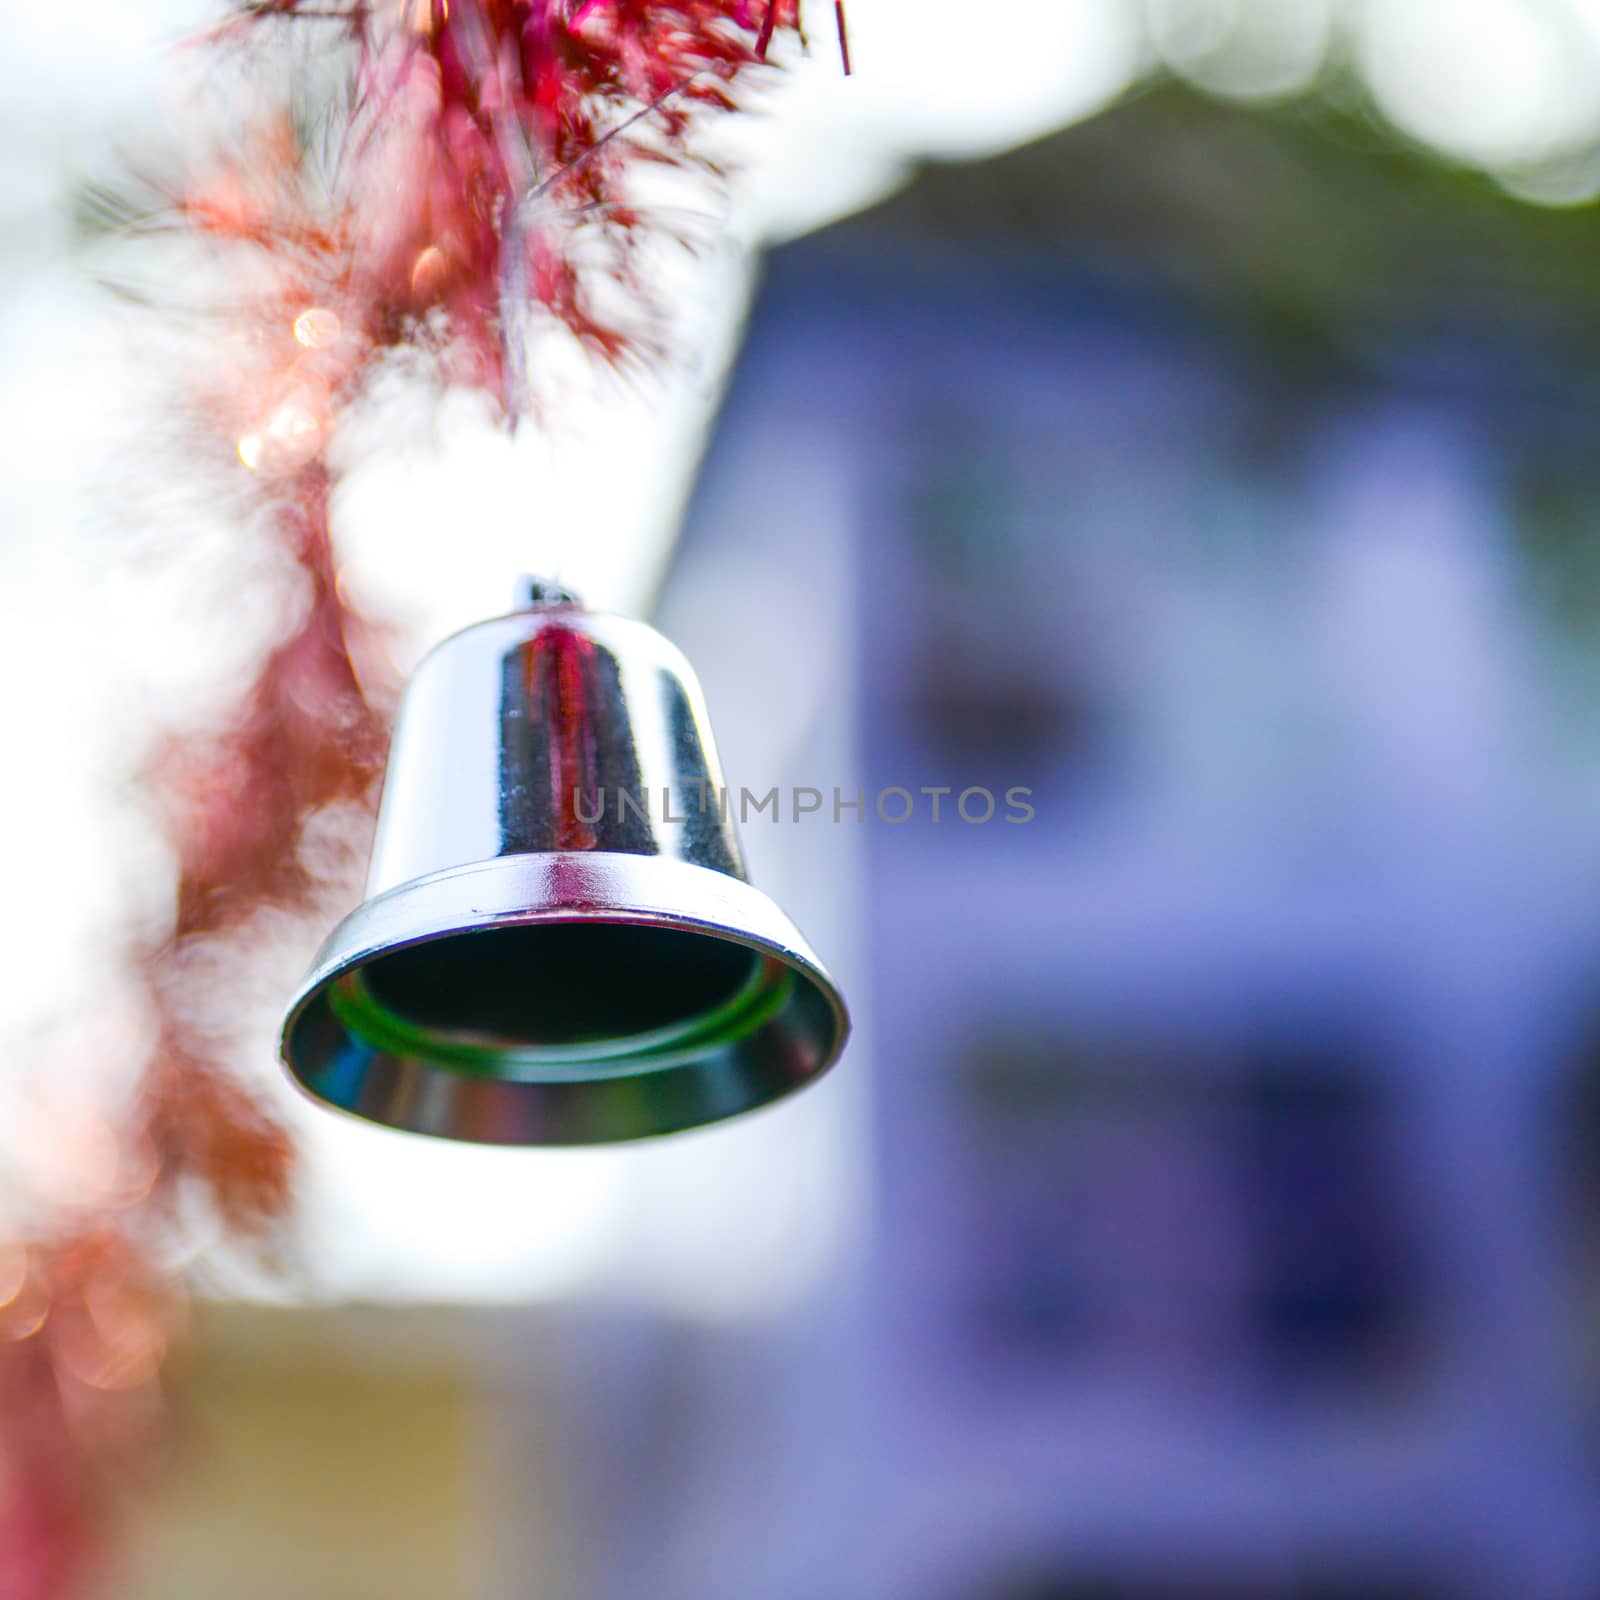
pixel 1184 409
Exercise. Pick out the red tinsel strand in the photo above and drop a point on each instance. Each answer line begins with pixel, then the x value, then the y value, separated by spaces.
pixel 85 1315
pixel 484 134
pixel 509 122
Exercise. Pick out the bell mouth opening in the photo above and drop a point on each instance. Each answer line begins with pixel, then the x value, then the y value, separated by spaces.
pixel 569 999
pixel 550 1002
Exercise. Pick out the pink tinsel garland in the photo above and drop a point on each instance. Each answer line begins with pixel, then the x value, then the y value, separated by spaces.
pixel 479 135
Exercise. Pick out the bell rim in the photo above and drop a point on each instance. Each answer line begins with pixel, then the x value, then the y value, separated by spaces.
pixel 553 889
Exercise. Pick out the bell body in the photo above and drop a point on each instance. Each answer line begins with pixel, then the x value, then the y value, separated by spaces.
pixel 553 729
pixel 558 944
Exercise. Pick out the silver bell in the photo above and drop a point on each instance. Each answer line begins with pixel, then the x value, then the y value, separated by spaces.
pixel 558 944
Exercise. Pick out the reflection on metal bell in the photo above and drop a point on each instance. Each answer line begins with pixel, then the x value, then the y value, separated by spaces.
pixel 558 945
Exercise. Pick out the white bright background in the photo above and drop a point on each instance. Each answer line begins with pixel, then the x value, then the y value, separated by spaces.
pixel 98 623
